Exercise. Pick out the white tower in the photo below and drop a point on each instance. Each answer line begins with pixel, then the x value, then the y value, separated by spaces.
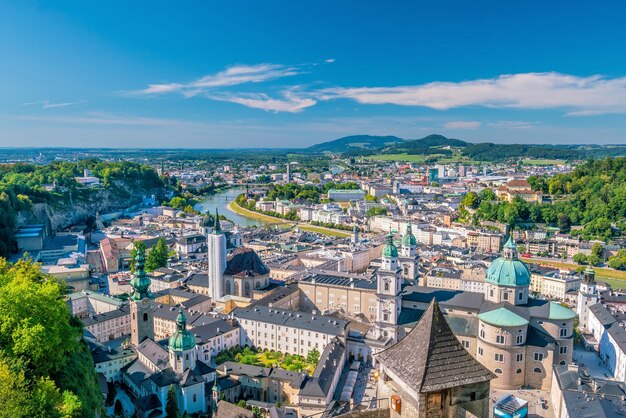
pixel 389 286
pixel 587 296
pixel 216 259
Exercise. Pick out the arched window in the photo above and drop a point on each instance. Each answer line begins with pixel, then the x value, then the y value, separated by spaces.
pixel 237 289
pixel 227 287
pixel 145 316
pixel 518 371
pixel 498 371
pixel 194 397
pixel 562 363
pixel 246 289
pixel 258 285
pixel 537 370
pixel 386 285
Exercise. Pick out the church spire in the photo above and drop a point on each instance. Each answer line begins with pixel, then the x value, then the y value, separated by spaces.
pixel 217 229
pixel 140 281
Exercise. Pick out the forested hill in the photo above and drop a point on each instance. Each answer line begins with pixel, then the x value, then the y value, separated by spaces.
pixel 593 196
pixel 354 143
pixel 50 194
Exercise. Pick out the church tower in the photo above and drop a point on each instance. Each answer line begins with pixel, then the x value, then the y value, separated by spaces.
pixel 141 321
pixel 216 259
pixel 354 237
pixel 389 286
pixel 409 260
pixel 181 346
pixel 587 296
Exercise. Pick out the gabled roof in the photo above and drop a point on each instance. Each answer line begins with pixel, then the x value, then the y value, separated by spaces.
pixel 430 357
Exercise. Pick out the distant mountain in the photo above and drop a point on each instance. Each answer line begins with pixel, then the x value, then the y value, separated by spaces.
pixel 354 143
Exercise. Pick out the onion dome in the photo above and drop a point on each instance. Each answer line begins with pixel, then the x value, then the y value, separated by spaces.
pixel 408 240
pixel 390 250
pixel 508 270
pixel 182 339
pixel 140 281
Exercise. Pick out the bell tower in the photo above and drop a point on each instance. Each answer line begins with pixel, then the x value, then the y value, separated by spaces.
pixel 389 286
pixel 141 320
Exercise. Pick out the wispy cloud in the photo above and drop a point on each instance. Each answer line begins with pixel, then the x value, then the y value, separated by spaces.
pixel 586 95
pixel 512 124
pixel 232 76
pixel 329 60
pixel 462 124
pixel 289 102
pixel 47 104
pixel 98 118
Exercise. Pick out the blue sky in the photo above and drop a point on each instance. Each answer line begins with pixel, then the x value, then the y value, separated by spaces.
pixel 210 74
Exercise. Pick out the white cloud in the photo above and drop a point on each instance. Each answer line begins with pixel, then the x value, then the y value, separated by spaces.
pixel 586 95
pixel 47 104
pixel 290 102
pixel 462 124
pixel 232 76
pixel 329 60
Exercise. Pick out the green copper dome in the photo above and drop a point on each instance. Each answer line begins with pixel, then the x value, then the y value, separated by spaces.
pixel 508 270
pixel 182 339
pixel 390 250
pixel 140 281
pixel 502 317
pixel 408 240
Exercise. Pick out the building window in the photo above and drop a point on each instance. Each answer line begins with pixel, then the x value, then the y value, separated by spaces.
pixel 482 333
pixel 385 317
pixel 562 363
pixel 505 296
pixel 538 356
pixel 519 357
pixel 480 351
pixel 465 343
pixel 518 371
pixel 563 332
pixel 499 357
pixel 562 350
pixel 519 339
pixel 194 397
pixel 500 339
pixel 490 292
pixel 145 316
pixel 386 286
pixel 537 370
pixel 498 371
pixel 521 295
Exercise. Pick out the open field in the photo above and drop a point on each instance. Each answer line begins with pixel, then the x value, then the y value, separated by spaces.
pixel 615 278
pixel 543 162
pixel 233 206
pixel 410 158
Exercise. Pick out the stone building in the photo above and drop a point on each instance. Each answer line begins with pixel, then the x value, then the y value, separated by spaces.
pixel 429 373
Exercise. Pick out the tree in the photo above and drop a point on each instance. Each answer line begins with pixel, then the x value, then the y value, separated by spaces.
pixel 314 356
pixel 598 250
pixel 158 256
pixel 171 406
pixel 376 210
pixel 565 223
pixel 580 258
pixel 136 246
pixel 593 260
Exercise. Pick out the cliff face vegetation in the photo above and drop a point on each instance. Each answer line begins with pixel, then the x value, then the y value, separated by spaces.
pixel 50 195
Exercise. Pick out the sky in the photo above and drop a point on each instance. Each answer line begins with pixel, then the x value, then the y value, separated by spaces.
pixel 228 74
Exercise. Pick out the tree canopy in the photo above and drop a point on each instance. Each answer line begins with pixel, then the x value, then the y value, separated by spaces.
pixel 45 368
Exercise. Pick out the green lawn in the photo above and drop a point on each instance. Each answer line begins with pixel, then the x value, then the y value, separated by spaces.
pixel 410 158
pixel 543 162
pixel 291 362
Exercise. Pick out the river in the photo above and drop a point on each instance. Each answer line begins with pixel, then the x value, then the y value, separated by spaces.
pixel 220 201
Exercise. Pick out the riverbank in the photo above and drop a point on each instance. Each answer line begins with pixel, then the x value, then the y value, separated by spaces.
pixel 234 207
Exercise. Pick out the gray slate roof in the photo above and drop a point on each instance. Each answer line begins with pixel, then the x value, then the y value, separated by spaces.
pixel 430 357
